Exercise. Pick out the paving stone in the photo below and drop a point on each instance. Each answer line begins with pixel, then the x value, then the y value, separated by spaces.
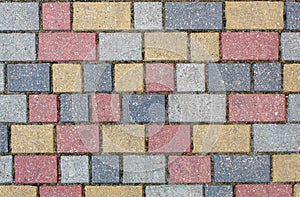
pixel 67 46
pixel 148 15
pixel 292 13
pixel 242 168
pixel 6 169
pixel 74 169
pixel 285 168
pixel 174 190
pixel 18 190
pixel 293 114
pixel 28 77
pixel 290 46
pixel 267 77
pixel 123 138
pixel 166 46
pixel 250 46
pixel 105 169
pixel 4 139
pixel 56 16
pixel 17 47
pixel 228 77
pixel 291 80
pixel 194 15
pixel 296 190
pixel 264 190
pixel 190 77
pixel 114 191
pixel 74 108
pixel 276 137
pixel 138 108
pixel 144 169
pixel 263 15
pixel 197 108
pixel 2 78
pixel 32 138
pixel 218 191
pixel 110 16
pixel 221 138
pixel 57 191
pixel 97 77
pixel 120 46
pixel 257 108
pixel 77 138
pixel 26 171
pixel 13 108
pixel 19 16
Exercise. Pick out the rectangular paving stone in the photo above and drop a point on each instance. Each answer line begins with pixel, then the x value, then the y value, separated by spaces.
pixel 285 168
pixel 190 77
pixel 56 16
pixel 291 81
pixel 4 139
pixel 292 13
pixel 14 108
pixel 97 77
pixel 218 191
pixel 56 191
pixel 144 169
pixel 74 169
pixel 110 16
pixel 114 191
pixel 290 46
pixel 296 190
pixel 6 169
pixel 194 15
pixel 17 47
pixel 19 16
pixel 242 190
pixel 74 108
pixel 197 108
pixel 28 77
pixel 18 190
pixel 254 15
pixel 105 169
pixel 148 15
pixel 2 77
pixel 276 137
pixel 293 113
pixel 174 190
pixel 242 168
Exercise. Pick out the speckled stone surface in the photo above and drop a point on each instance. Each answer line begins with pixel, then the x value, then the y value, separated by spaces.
pixel 105 169
pixel 148 15
pixel 174 190
pixel 290 49
pixel 97 77
pixel 190 77
pixel 218 191
pixel 74 108
pixel 14 108
pixel 74 169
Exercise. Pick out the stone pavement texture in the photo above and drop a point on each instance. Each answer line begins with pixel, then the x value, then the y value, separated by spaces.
pixel 149 99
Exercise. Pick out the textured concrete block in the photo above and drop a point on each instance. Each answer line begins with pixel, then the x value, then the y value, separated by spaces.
pixel 61 190
pixel 14 190
pixel 148 15
pixel 290 46
pixel 6 169
pixel 296 190
pixel 264 190
pixel 190 77
pixel 56 16
pixel 74 108
pixel 97 77
pixel 74 169
pixel 285 168
pixel 114 191
pixel 291 80
pixel 105 169
pixel 14 108
pixel 2 78
pixel 4 139
pixel 293 112
pixel 174 190
pixel 218 191
pixel 292 14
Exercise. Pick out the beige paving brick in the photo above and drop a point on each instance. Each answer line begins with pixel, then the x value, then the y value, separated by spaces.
pixel 123 138
pixel 101 16
pixel 114 191
pixel 166 46
pixel 205 47
pixel 32 138
pixel 286 168
pixel 221 138
pixel 297 190
pixel 254 15
pixel 291 77
pixel 16 191
pixel 129 77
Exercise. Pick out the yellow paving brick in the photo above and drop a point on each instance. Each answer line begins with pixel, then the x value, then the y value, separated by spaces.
pixel 101 16
pixel 129 77
pixel 291 77
pixel 166 46
pixel 297 190
pixel 221 138
pixel 254 15
pixel 114 191
pixel 286 168
pixel 123 138
pixel 67 77
pixel 18 191
pixel 32 138
pixel 205 47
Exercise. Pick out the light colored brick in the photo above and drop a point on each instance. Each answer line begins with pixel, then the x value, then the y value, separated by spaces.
pixel 190 77
pixel 291 79
pixel 74 169
pixel 286 168
pixel 14 190
pixel 114 191
pixel 148 15
pixel 6 169
pixel 2 74
pixel 290 46
pixel 13 108
pixel 174 190
pixel 297 190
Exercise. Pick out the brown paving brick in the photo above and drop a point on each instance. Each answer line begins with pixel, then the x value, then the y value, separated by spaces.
pixel 18 190
pixel 286 168
pixel 114 191
pixel 291 79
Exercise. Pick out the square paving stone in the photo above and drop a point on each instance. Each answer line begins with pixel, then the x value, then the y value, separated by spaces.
pixel 190 77
pixel 74 108
pixel 74 169
pixel 148 15
pixel 105 169
pixel 13 108
pixel 97 77
pixel 290 46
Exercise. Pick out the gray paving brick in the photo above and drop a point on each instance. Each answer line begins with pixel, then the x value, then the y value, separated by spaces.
pixel 197 108
pixel 17 47
pixel 293 112
pixel 194 15
pixel 267 77
pixel 74 169
pixel 218 191
pixel 242 168
pixel 276 137
pixel 28 77
pixel 148 15
pixel 143 108
pixel 228 77
pixel 120 46
pixel 290 46
pixel 190 77
pixel 4 136
pixel 105 169
pixel 144 169
pixel 19 16
pixel 74 108
pixel 292 13
pixel 174 190
pixel 13 108
pixel 97 77
pixel 2 75
pixel 6 167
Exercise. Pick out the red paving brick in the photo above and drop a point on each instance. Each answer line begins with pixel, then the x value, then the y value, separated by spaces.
pixel 268 190
pixel 56 16
pixel 61 191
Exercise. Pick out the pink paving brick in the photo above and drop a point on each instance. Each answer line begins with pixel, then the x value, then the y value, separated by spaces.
pixel 160 77
pixel 56 16
pixel 77 138
pixel 189 169
pixel 43 108
pixel 61 191
pixel 35 169
pixel 169 138
pixel 257 108
pixel 105 107
pixel 67 46
pixel 250 45
pixel 268 190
